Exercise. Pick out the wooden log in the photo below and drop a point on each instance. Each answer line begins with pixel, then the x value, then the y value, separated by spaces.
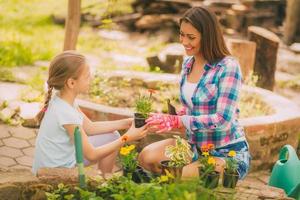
pixel 173 63
pixel 291 21
pixel 267 44
pixel 244 51
pixel 72 25
pixel 154 61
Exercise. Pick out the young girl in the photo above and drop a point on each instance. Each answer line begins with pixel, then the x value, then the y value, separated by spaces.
pixel 209 90
pixel 70 75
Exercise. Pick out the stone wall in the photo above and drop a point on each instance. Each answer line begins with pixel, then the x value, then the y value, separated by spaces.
pixel 266 134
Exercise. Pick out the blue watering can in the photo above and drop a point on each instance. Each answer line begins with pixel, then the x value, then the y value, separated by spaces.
pixel 286 172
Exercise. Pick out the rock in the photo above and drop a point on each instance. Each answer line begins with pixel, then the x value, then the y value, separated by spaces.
pixel 29 110
pixel 295 47
pixel 11 91
pixel 10 192
pixel 288 61
pixel 15 105
pixel 113 35
pixel 6 113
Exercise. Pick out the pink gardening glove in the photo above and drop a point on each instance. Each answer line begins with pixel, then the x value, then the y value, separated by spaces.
pixel 182 111
pixel 164 122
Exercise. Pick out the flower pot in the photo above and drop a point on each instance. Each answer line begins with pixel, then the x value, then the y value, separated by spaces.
pixel 230 180
pixel 138 176
pixel 210 179
pixel 175 171
pixel 139 120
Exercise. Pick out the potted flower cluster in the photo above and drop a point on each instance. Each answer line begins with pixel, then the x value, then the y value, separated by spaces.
pixel 231 175
pixel 179 155
pixel 131 169
pixel 143 107
pixel 207 172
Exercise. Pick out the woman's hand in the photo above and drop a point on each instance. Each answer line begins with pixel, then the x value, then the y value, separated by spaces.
pixel 164 122
pixel 136 133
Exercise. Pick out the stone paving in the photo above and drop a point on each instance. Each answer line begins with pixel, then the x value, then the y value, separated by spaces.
pixel 16 146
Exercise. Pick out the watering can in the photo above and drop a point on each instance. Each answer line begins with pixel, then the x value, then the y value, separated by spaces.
pixel 286 172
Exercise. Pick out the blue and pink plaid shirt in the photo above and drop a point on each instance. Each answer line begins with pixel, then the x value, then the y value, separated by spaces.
pixel 213 116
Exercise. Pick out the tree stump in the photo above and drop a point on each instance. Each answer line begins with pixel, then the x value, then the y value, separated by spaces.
pixel 244 51
pixel 173 63
pixel 153 62
pixel 292 21
pixel 266 55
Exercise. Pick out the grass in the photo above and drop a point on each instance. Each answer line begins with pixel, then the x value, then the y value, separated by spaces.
pixel 28 33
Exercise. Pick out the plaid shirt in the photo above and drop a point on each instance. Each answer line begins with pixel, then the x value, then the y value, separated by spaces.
pixel 213 117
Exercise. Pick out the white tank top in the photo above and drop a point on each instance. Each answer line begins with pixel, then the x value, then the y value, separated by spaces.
pixel 188 91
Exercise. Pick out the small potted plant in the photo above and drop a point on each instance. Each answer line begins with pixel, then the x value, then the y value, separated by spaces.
pixel 207 172
pixel 231 175
pixel 179 156
pixel 131 169
pixel 143 107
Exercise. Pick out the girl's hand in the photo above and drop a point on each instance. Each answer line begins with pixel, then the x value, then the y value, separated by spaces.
pixel 136 133
pixel 126 123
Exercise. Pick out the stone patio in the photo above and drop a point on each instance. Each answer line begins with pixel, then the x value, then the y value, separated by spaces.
pixel 16 146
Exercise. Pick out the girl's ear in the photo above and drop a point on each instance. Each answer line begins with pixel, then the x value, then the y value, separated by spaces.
pixel 70 83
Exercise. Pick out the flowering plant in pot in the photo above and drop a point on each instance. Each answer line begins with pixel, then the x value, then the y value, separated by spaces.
pixel 131 169
pixel 207 172
pixel 231 175
pixel 179 155
pixel 143 107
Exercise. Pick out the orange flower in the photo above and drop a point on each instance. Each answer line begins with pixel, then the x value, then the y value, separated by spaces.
pixel 210 146
pixel 204 148
pixel 124 138
pixel 151 91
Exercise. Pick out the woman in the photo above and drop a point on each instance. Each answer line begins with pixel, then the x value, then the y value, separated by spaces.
pixel 209 90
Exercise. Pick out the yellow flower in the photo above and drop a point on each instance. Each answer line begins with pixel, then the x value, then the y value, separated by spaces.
pixel 205 153
pixel 124 151
pixel 232 153
pixel 211 160
pixel 163 178
pixel 131 147
pixel 169 174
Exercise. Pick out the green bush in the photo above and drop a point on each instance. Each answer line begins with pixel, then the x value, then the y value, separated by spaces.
pixel 14 53
pixel 122 188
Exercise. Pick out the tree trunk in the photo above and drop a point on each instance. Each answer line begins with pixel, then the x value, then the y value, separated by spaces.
pixel 266 55
pixel 244 51
pixel 72 25
pixel 292 19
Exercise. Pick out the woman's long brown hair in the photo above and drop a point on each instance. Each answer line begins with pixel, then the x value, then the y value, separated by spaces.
pixel 65 65
pixel 212 45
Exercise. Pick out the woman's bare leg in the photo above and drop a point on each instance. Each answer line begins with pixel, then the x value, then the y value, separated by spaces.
pixel 151 155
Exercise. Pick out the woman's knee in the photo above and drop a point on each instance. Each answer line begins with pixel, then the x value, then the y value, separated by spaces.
pixel 145 156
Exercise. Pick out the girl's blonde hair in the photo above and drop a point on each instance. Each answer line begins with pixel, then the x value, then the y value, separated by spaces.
pixel 65 65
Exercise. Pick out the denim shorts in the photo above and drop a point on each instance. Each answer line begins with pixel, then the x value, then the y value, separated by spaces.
pixel 242 155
